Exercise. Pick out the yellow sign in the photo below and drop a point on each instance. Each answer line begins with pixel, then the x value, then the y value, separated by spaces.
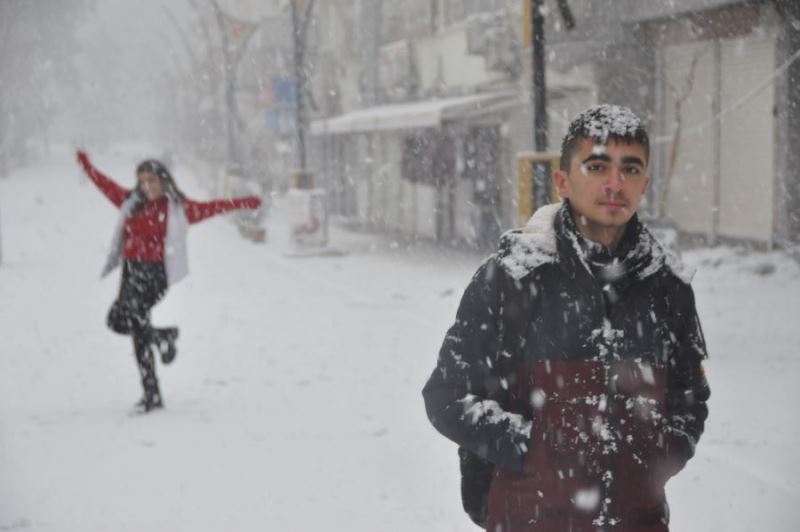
pixel 527 24
pixel 525 191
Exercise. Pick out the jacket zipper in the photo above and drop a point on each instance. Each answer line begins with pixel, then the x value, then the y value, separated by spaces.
pixel 609 463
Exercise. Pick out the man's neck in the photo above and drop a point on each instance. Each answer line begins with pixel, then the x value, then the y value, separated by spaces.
pixel 606 236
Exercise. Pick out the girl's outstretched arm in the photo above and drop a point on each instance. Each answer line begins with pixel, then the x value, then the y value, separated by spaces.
pixel 197 211
pixel 107 186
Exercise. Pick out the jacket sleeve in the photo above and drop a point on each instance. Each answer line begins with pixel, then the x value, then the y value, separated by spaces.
pixel 107 186
pixel 688 390
pixel 466 396
pixel 197 211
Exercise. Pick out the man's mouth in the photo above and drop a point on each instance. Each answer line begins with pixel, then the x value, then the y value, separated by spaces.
pixel 613 204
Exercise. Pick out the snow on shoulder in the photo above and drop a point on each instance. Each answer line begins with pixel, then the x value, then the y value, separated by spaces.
pixel 523 250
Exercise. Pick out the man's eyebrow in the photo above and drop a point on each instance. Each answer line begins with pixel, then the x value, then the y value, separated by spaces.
pixel 597 157
pixel 628 159
pixel 632 159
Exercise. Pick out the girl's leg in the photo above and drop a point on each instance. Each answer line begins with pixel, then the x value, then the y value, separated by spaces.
pixel 163 338
pixel 143 285
pixel 147 367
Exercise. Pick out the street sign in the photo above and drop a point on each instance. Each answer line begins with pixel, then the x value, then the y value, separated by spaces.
pixel 280 119
pixel 284 91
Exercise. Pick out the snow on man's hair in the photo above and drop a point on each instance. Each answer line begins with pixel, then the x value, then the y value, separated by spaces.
pixel 602 123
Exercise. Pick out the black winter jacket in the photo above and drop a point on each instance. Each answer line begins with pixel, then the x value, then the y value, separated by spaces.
pixel 578 378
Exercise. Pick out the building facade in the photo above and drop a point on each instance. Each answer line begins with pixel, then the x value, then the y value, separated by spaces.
pixel 433 107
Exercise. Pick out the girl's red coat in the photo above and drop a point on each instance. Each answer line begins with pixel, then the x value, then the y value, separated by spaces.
pixel 145 230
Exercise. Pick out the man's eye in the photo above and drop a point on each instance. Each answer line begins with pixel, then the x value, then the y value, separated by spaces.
pixel 631 170
pixel 594 167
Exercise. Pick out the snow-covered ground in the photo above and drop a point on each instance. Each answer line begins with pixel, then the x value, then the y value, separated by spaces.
pixel 294 403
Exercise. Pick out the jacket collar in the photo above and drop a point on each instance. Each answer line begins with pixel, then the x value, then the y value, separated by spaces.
pixel 523 250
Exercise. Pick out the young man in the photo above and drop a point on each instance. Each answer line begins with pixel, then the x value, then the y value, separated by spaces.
pixel 572 378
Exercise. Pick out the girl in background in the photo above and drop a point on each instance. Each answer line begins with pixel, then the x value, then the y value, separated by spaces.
pixel 150 244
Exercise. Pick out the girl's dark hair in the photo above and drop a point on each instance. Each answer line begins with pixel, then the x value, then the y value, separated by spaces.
pixel 167 182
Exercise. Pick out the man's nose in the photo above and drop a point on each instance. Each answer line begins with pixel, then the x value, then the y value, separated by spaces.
pixel 615 180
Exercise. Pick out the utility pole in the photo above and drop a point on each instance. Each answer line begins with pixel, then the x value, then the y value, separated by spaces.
pixel 369 32
pixel 308 216
pixel 542 176
pixel 229 87
pixel 299 31
pixel 539 92
pixel 541 169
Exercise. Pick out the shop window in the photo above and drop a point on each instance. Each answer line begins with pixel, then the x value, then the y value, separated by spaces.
pixel 429 158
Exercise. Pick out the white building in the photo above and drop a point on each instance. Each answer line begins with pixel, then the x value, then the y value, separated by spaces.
pixel 437 157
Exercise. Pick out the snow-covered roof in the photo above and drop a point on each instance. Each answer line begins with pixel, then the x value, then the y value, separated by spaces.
pixel 412 115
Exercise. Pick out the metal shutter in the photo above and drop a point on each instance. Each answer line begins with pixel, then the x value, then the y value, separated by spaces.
pixel 690 195
pixel 747 139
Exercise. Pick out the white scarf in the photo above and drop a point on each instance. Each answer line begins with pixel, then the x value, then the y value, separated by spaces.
pixel 176 260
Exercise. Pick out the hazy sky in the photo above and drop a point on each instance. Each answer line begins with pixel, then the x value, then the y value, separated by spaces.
pixel 129 54
pixel 130 61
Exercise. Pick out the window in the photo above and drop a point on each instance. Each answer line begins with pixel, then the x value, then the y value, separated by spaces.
pixel 417 164
pixel 429 158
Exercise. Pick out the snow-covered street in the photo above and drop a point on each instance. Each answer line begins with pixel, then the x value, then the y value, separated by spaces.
pixel 294 403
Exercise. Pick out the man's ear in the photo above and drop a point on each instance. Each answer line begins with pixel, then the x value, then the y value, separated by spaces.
pixel 646 184
pixel 561 183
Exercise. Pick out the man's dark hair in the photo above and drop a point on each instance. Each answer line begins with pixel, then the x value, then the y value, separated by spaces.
pixel 602 123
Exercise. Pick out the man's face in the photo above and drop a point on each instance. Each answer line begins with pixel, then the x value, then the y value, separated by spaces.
pixel 604 184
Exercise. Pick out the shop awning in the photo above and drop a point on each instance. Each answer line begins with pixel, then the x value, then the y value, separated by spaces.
pixel 414 115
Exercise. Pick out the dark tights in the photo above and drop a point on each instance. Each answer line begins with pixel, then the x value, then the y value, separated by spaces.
pixel 143 285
